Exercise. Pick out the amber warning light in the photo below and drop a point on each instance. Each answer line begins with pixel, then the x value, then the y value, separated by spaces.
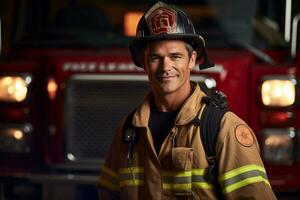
pixel 131 20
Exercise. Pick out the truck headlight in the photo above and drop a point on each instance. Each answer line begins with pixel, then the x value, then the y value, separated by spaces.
pixel 14 88
pixel 15 138
pixel 279 145
pixel 278 90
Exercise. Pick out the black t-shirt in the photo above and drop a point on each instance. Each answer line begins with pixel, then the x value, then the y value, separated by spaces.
pixel 160 124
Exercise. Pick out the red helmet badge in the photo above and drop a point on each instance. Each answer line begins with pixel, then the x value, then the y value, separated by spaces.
pixel 161 19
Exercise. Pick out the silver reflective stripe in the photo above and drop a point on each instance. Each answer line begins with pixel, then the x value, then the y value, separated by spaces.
pixel 177 180
pixel 243 176
pixel 185 180
pixel 198 179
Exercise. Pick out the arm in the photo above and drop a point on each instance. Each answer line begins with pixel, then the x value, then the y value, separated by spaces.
pixel 108 184
pixel 241 171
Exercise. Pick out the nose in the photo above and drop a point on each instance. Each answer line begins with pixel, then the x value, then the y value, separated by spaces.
pixel 166 64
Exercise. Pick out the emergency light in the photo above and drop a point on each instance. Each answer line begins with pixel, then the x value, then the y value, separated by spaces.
pixel 131 20
pixel 280 145
pixel 15 138
pixel 278 90
pixel 14 88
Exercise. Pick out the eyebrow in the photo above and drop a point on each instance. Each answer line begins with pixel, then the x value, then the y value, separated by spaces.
pixel 176 53
pixel 169 54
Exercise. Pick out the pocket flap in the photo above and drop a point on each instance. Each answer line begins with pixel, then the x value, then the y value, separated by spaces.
pixel 182 158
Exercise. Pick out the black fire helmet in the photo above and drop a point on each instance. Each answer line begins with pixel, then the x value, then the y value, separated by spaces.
pixel 164 21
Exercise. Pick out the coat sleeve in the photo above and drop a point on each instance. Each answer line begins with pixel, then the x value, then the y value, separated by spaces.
pixel 108 183
pixel 241 171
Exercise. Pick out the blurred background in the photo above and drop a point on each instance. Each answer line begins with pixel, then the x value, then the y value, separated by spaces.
pixel 226 20
pixel 67 79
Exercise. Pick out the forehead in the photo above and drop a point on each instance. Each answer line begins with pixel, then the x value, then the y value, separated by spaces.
pixel 160 45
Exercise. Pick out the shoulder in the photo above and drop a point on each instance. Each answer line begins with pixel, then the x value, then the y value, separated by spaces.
pixel 236 131
pixel 230 119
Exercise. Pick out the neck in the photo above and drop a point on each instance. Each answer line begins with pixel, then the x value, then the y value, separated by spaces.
pixel 172 101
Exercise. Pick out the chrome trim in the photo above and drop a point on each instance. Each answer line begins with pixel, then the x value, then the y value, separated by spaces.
pixel 294 36
pixel 110 77
pixel 287 25
pixel 120 77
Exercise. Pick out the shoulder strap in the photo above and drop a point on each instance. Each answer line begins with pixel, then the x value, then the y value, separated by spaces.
pixel 129 134
pixel 215 108
pixel 128 122
pixel 210 126
pixel 129 137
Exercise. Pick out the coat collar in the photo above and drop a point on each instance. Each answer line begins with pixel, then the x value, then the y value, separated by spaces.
pixel 187 113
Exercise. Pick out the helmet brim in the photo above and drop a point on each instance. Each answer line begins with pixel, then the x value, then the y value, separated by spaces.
pixel 196 41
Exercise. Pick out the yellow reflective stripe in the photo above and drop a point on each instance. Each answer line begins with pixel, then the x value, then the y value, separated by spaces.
pixel 203 185
pixel 131 176
pixel 109 172
pixel 109 185
pixel 132 182
pixel 198 172
pixel 176 174
pixel 245 182
pixel 241 170
pixel 187 186
pixel 196 180
pixel 128 170
pixel 184 173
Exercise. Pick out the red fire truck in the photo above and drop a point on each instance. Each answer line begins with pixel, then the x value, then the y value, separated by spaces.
pixel 66 79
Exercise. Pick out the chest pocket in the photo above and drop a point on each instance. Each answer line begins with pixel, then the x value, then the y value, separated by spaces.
pixel 182 158
pixel 180 180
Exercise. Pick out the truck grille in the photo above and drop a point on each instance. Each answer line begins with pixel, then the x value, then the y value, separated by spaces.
pixel 94 104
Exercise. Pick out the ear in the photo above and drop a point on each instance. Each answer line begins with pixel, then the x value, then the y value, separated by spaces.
pixel 192 61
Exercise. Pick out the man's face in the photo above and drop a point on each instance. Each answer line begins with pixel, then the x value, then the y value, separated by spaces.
pixel 168 66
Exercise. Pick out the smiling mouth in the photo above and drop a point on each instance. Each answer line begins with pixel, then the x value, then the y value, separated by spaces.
pixel 163 78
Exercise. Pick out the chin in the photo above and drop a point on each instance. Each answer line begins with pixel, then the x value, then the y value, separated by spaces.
pixel 167 90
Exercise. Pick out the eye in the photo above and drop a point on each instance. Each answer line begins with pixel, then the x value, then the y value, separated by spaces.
pixel 175 56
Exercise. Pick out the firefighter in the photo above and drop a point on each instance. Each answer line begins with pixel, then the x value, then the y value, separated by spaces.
pixel 157 152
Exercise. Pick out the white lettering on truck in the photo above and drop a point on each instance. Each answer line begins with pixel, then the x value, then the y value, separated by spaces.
pixel 94 67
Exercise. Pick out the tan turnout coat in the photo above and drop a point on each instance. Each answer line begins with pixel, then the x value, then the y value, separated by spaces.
pixel 177 172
